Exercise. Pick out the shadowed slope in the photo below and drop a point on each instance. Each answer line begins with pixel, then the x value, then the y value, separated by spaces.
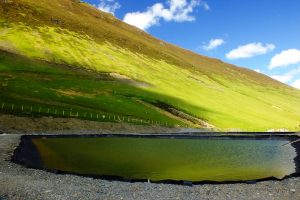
pixel 73 33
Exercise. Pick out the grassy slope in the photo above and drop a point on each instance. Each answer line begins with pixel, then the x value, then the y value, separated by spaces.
pixel 47 85
pixel 71 33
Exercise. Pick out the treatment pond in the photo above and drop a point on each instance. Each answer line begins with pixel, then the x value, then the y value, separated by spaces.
pixel 161 158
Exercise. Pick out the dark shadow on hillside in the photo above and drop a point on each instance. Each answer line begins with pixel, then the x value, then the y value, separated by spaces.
pixel 40 82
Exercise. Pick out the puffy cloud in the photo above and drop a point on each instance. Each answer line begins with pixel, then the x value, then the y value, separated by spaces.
pixel 213 43
pixel 109 6
pixel 287 77
pixel 285 58
pixel 177 10
pixel 250 50
pixel 296 84
pixel 144 20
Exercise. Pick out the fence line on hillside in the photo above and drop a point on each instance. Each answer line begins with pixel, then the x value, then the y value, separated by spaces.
pixel 51 111
pixel 72 113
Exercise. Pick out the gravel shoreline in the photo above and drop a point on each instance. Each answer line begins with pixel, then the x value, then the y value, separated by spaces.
pixel 17 182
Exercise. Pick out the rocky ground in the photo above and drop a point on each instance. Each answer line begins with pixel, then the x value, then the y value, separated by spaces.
pixel 18 182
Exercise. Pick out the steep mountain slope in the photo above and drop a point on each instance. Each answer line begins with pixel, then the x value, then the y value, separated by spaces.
pixel 68 54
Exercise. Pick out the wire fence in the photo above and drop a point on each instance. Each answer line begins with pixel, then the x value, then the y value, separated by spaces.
pixel 62 112
pixel 51 111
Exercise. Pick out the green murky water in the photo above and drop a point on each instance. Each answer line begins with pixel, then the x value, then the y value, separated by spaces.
pixel 169 159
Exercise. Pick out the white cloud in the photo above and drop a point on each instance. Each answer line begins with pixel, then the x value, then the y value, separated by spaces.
pixel 250 50
pixel 257 70
pixel 296 84
pixel 177 10
pixel 145 20
pixel 213 43
pixel 282 78
pixel 285 58
pixel 205 5
pixel 109 6
pixel 287 77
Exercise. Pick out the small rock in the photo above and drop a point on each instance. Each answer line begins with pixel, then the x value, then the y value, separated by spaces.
pixel 292 190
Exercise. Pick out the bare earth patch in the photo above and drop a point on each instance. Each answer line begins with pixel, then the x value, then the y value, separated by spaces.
pixel 73 93
pixel 27 125
pixel 128 80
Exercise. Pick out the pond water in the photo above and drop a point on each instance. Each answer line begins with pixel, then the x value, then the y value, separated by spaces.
pixel 192 159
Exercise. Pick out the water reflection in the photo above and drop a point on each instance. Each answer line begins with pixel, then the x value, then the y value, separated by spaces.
pixel 211 159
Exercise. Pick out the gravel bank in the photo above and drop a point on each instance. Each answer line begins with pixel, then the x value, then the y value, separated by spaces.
pixel 17 182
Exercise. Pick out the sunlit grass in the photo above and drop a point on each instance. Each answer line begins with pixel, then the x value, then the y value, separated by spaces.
pixel 215 98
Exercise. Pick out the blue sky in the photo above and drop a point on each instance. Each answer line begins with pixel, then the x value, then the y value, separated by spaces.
pixel 263 35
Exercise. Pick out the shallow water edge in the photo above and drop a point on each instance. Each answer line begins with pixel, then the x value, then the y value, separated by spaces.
pixel 27 150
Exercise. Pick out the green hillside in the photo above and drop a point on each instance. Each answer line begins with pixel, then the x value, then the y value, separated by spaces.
pixel 68 55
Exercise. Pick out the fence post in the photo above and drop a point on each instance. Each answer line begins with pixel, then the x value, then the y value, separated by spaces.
pixel 48 110
pixel 12 106
pixel 85 115
pixel 55 112
pixel 22 108
pixel 77 114
pixel 2 105
pixel 63 112
pixel 91 115
pixel 39 109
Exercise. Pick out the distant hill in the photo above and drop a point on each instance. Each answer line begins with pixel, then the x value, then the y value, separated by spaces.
pixel 68 55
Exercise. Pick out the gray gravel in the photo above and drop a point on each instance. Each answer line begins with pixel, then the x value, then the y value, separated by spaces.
pixel 17 182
